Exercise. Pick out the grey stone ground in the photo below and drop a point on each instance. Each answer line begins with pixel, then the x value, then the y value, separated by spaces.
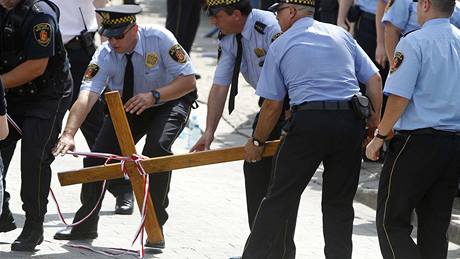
pixel 207 204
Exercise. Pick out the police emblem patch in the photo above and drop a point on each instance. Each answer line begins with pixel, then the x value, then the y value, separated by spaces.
pixel 151 59
pixel 178 53
pixel 389 4
pixel 397 61
pixel 90 72
pixel 276 35
pixel 260 52
pixel 42 33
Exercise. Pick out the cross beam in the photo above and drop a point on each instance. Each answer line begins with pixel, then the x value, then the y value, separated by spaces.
pixel 161 164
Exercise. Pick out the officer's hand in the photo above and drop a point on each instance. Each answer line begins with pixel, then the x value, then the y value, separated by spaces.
pixel 344 25
pixel 139 103
pixel 373 149
pixel 64 144
pixel 252 153
pixel 204 143
pixel 381 56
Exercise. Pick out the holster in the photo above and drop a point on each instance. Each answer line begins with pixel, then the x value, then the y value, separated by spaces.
pixel 361 106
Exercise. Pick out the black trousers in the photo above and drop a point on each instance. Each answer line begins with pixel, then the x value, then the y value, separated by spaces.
pixel 182 19
pixel 420 172
pixel 257 177
pixel 331 137
pixel 41 124
pixel 161 125
pixel 79 60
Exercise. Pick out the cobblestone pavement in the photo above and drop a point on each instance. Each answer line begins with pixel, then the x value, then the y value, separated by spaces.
pixel 207 204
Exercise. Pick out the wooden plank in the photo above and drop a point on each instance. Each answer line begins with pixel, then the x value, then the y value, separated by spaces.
pixel 161 164
pixel 128 148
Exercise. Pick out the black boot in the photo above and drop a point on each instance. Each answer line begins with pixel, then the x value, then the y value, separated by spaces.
pixel 85 230
pixel 7 221
pixel 124 204
pixel 30 237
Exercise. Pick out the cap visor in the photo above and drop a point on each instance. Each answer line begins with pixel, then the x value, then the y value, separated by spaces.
pixel 212 11
pixel 274 7
pixel 112 32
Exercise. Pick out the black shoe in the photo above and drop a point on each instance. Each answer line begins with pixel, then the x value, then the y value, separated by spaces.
pixel 30 237
pixel 155 245
pixel 73 233
pixel 235 257
pixel 124 204
pixel 7 221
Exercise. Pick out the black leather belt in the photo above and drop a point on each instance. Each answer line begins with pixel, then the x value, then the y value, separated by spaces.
pixel 323 105
pixel 73 44
pixel 369 16
pixel 428 131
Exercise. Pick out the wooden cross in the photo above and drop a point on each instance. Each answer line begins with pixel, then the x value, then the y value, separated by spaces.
pixel 152 165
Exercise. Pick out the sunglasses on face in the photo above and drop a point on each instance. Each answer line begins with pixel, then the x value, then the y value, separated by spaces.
pixel 121 36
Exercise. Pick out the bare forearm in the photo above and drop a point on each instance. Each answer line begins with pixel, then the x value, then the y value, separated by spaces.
pixel 374 92
pixel 344 6
pixel 394 109
pixel 79 111
pixel 269 115
pixel 24 73
pixel 380 28
pixel 216 105
pixel 392 35
pixel 3 127
pixel 177 88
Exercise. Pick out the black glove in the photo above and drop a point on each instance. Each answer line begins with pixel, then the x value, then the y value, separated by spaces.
pixel 2 99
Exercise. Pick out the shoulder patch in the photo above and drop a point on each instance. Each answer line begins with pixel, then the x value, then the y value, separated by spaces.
pixel 389 4
pixel 42 33
pixel 276 35
pixel 90 72
pixel 151 59
pixel 178 54
pixel 260 27
pixel 397 61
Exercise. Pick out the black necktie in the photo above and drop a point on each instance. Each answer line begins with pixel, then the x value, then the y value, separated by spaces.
pixel 128 82
pixel 236 72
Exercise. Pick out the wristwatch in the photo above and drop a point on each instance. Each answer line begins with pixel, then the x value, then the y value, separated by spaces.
pixel 378 135
pixel 156 96
pixel 257 142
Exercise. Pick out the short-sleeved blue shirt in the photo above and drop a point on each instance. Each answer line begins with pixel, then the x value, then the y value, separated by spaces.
pixel 426 71
pixel 314 61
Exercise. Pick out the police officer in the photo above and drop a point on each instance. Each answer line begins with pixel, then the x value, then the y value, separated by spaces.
pixel 318 65
pixel 400 18
pixel 78 26
pixel 249 33
pixel 35 73
pixel 182 19
pixel 157 82
pixel 423 160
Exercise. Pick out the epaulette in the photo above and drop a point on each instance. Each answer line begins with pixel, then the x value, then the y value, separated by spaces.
pixel 260 27
pixel 276 35
pixel 220 35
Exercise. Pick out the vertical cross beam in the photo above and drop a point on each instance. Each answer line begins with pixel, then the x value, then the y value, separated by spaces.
pixel 128 148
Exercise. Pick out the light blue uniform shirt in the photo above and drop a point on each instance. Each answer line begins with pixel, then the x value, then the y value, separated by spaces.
pixel 369 6
pixel 255 44
pixel 428 75
pixel 157 61
pixel 403 15
pixel 314 61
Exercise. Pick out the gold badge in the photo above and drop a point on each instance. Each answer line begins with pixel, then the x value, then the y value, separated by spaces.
pixel 397 61
pixel 389 4
pixel 42 33
pixel 260 52
pixel 90 72
pixel 178 53
pixel 151 59
pixel 276 35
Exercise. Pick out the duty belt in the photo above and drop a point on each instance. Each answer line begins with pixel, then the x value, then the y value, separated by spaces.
pixel 428 131
pixel 323 105
pixel 73 44
pixel 368 16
